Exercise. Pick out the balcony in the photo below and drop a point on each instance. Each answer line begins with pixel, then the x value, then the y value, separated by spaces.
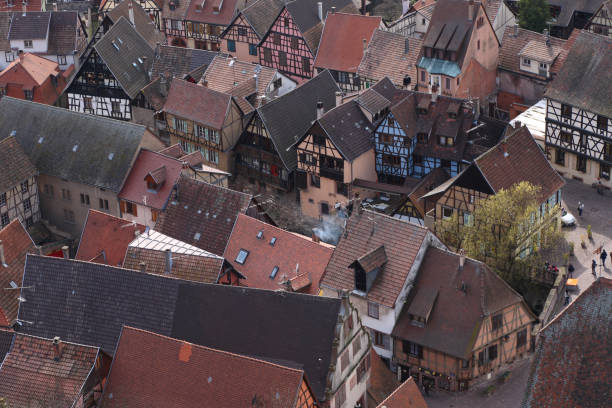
pixel 337 175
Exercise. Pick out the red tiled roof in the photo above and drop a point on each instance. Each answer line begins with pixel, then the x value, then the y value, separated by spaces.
pixel 135 187
pixel 31 72
pixel 3 320
pixel 406 395
pixel 30 376
pixel 382 381
pixel 151 370
pixel 17 244
pixel 175 151
pixel 572 361
pixel 342 43
pixel 367 231
pixel 288 251
pixel 198 103
pixel 207 14
pixel 31 5
pixel 519 158
pixel 104 232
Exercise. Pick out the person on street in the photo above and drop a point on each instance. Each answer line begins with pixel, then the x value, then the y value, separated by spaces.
pixel 571 269
pixel 580 208
pixel 593 267
pixel 603 257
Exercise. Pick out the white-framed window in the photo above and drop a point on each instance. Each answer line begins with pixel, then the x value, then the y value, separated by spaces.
pixel 447 212
pixel 2 199
pixel 526 62
pixel 9 56
pixel 180 124
pixel 242 256
pixel 373 310
pixel 28 44
pixel 61 59
pixel 543 66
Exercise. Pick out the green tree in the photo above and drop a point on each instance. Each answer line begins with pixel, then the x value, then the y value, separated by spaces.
pixel 533 14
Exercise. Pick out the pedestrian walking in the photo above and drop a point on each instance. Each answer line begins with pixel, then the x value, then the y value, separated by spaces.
pixel 603 257
pixel 571 269
pixel 593 267
pixel 580 208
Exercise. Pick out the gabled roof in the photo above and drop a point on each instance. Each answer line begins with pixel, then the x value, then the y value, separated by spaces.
pixel 344 40
pixel 514 40
pixel 142 21
pixel 6 341
pixel 569 7
pixel 519 158
pixel 175 9
pixel 365 232
pixel 97 300
pixel 30 372
pixel 31 26
pixel 63 30
pixel 348 129
pixel 288 117
pixel 105 238
pixel 407 395
pixel 225 10
pixel 179 61
pixel 187 375
pixel 15 165
pixel 391 55
pixel 135 187
pixel 17 244
pixel 127 55
pixel 31 5
pixel 187 262
pixel 585 81
pixel 382 381
pixel 198 103
pixel 456 315
pixel 539 51
pixel 293 254
pixel 261 14
pixel 574 342
pixel 64 144
pixel 202 214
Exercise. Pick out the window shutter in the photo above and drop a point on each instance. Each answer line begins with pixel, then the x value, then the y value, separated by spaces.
pixel 135 210
pixel 122 206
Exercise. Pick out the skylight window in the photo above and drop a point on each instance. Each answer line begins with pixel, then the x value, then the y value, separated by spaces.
pixel 260 234
pixel 75 147
pixel 197 236
pixel 110 156
pixel 273 241
pixel 40 140
pixel 242 256
pixel 274 272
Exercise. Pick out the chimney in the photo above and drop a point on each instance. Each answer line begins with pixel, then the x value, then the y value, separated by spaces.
pixel 503 147
pixel 314 237
pixel 470 10
pixel 24 7
pixel 461 258
pixel 434 94
pixel 2 258
pixel 54 6
pixel 516 30
pixel 163 85
pixel 320 110
pixel 333 9
pixel 204 82
pixel 65 252
pixel 57 348
pixel 131 12
pixel 136 233
pixel 338 98
pixel 365 45
pixel 320 10
pixel 547 37
pixel 168 261
pixel 517 124
pixel 143 267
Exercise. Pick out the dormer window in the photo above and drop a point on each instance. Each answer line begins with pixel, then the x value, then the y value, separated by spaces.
pixel 367 268
pixel 446 141
pixel 422 305
pixel 155 179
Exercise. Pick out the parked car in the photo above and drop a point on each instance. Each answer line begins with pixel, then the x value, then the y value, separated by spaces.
pixel 567 219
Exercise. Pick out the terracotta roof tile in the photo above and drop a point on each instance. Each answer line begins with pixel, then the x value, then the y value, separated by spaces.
pixel 175 151
pixel 208 15
pixel 187 375
pixel 165 169
pixel 15 165
pixel 198 103
pixel 62 29
pixel 31 5
pixel 365 232
pixel 344 38
pixel 105 238
pixel 572 362
pixel 406 395
pixel 519 158
pixel 382 381
pixel 17 244
pixel 288 252
pixel 202 215
pixel 31 373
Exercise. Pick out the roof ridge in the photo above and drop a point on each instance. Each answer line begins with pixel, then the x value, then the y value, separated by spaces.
pixel 396 219
pixel 216 186
pixel 51 340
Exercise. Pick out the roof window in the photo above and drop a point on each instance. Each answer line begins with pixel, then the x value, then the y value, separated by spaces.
pixel 260 234
pixel 273 241
pixel 242 256
pixel 75 147
pixel 274 272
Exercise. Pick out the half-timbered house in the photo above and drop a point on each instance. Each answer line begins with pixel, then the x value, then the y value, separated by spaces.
pixel 579 112
pixel 152 8
pixel 291 43
pixel 248 27
pixel 200 118
pixel 140 18
pixel 460 51
pixel 414 22
pixel 344 41
pixel 112 74
pixel 515 159
pixel 266 151
pixel 601 22
pixel 18 185
pixel 460 321
pixel 336 150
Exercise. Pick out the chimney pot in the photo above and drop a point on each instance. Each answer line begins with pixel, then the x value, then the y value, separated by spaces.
pixel 320 10
pixel 320 110
pixel 517 124
pixel 338 98
pixel 461 258
pixel 204 82
pixel 470 10
pixel 314 237
pixel 333 9
pixel 65 252
pixel 168 261
pixel 57 348
pixel 516 31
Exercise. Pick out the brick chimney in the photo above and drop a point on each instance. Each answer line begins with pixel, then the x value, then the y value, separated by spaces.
pixel 168 269
pixel 320 110
pixel 57 348
pixel 66 252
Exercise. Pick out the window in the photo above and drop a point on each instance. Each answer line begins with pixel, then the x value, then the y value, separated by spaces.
pixel 342 188
pixel 131 208
pixel 604 171
pixel 69 216
pixel 602 122
pixel 84 199
pixel 87 105
pixel 48 190
pixel 543 66
pixel 61 59
pixel 581 163
pixel 282 58
pixel 447 212
pixel 180 125
pixel 252 49
pixel 423 76
pixel 373 310
pixel 2 91
pixel 27 205
pixel 324 208
pixel 103 204
pixel 492 352
pixel 4 218
pixel 267 55
pixel 242 31
pixel 566 111
pixel 607 151
pixel 468 218
pixel 521 338
pixel 422 138
pixel 412 349
pixel 345 360
pixel 417 160
pixel 276 38
pixel 478 44
pixel 28 94
pixel 526 62
pixel 231 45
pixel 315 181
pixel 566 137
pixel 27 44
pixel 318 140
pixel 242 256
pixel 379 338
pixel 448 83
pixel 29 222
pixel 497 322
pixel 8 56
pixel 560 157
pixel 24 186
pixel 340 397
pixel 3 199
pixel 115 108
pixel 66 194
pixel 465 363
pixel 274 272
pixel 294 43
pixel 394 161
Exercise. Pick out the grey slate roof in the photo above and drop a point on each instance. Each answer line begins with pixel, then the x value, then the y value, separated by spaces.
pixel 569 7
pixel 15 166
pixel 142 22
pixel 585 80
pixel 6 341
pixel 180 61
pixel 122 49
pixel 62 33
pixel 31 26
pixel 88 303
pixel 287 118
pixel 349 129
pixel 49 135
pixel 261 14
